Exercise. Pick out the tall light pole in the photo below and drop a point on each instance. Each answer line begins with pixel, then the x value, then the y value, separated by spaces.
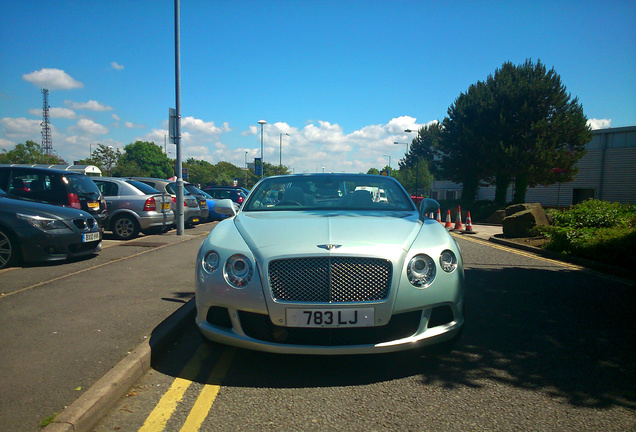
pixel 246 169
pixel 177 138
pixel 262 122
pixel 417 164
pixel 280 162
pixel 389 156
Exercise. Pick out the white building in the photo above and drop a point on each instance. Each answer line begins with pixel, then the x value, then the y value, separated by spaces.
pixel 606 172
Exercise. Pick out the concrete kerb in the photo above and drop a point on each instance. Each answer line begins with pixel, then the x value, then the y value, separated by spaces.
pixel 83 414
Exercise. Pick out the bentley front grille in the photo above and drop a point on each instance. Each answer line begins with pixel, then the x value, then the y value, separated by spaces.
pixel 330 279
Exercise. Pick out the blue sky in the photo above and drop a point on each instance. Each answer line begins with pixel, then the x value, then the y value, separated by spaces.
pixel 342 78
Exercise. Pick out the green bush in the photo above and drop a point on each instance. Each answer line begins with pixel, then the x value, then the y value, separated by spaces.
pixel 596 230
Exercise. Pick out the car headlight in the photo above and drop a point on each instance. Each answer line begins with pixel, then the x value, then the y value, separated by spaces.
pixel 211 261
pixel 238 270
pixel 448 261
pixel 421 271
pixel 41 222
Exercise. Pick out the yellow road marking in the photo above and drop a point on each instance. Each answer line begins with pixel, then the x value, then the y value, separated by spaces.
pixel 160 415
pixel 525 254
pixel 206 398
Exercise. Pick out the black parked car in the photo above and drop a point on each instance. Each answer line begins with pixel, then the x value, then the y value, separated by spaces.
pixel 31 231
pixel 52 186
pixel 226 192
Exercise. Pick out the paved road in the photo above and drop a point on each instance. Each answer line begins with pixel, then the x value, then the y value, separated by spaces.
pixel 63 326
pixel 548 346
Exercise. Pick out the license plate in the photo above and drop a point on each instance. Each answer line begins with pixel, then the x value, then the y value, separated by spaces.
pixel 93 205
pixel 362 317
pixel 165 206
pixel 89 237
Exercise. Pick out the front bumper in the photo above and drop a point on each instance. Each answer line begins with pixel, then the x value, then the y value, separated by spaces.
pixel 406 331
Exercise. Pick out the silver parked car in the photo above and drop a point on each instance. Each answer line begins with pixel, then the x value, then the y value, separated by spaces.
pixel 325 269
pixel 134 206
pixel 198 194
pixel 191 211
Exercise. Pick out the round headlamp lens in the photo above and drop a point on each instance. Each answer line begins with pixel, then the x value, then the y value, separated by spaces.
pixel 448 261
pixel 421 271
pixel 238 270
pixel 211 261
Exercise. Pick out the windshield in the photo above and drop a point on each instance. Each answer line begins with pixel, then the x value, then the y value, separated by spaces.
pixel 329 192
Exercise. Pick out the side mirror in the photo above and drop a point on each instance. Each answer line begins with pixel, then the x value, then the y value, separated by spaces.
pixel 428 205
pixel 225 207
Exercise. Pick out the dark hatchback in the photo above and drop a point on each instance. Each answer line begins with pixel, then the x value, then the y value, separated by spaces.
pixel 52 186
pixel 32 232
pixel 226 192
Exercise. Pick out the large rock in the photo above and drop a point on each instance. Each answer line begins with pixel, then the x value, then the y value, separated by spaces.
pixel 521 219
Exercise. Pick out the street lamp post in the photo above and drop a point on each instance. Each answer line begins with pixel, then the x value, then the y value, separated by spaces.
pixel 280 162
pixel 246 169
pixel 417 163
pixel 262 122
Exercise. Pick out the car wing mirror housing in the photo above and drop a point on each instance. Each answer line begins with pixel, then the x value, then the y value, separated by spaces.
pixel 427 206
pixel 225 207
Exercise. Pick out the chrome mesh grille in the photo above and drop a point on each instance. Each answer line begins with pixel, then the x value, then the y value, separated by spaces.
pixel 330 279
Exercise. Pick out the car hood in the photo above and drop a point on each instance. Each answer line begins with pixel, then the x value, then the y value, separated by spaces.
pixel 270 234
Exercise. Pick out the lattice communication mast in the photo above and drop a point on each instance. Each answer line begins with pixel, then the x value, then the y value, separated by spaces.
pixel 47 144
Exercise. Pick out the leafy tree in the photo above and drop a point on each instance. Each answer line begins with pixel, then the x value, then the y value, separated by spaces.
pixel 424 147
pixel 373 171
pixel 519 125
pixel 29 153
pixel 464 141
pixel 541 131
pixel 104 158
pixel 416 179
pixel 144 158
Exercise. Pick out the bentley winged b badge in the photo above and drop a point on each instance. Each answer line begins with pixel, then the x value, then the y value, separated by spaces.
pixel 329 246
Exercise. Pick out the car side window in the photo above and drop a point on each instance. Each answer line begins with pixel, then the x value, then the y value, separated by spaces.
pixel 107 188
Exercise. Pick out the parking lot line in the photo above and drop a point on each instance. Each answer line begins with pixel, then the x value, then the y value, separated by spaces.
pixel 160 415
pixel 207 396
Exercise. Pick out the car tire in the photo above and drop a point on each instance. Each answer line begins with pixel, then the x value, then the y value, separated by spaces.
pixel 125 227
pixel 9 251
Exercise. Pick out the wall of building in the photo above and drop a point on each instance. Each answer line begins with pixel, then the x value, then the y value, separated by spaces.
pixel 607 171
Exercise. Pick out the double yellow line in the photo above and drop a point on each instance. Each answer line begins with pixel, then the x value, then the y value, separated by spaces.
pixel 160 415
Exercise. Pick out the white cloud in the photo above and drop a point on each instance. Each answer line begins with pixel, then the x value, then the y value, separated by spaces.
pixel 53 79
pixel 599 123
pixel 198 126
pixel 131 125
pixel 116 66
pixel 88 127
pixel 21 128
pixel 91 105
pixel 54 113
pixel 115 117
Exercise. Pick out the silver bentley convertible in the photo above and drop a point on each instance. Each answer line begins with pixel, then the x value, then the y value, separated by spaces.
pixel 329 264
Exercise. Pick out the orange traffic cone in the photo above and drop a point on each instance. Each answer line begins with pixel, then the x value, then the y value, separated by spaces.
pixel 469 225
pixel 448 220
pixel 439 216
pixel 458 221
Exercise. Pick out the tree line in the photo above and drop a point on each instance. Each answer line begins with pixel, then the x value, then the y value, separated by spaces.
pixel 519 127
pixel 144 159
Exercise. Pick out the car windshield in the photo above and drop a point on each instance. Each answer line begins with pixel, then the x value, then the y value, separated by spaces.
pixel 329 192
